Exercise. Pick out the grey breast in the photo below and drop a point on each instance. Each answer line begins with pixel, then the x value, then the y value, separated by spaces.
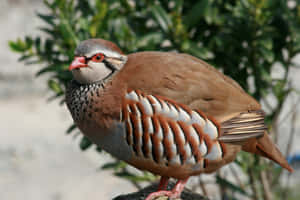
pixel 78 102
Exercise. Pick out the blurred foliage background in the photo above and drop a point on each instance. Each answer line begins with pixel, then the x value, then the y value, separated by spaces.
pixel 244 39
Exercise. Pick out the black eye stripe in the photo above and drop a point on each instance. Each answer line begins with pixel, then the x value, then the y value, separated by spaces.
pixel 109 65
pixel 88 59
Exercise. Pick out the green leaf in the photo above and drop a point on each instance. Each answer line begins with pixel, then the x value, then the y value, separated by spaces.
pixel 49 19
pixel 194 49
pixel 20 45
pixel 162 18
pixel 37 44
pixel 133 177
pixel 67 30
pixel 71 128
pixel 98 149
pixel 55 86
pixel 98 19
pixel 225 183
pixel 266 43
pixel 85 143
pixel 25 57
pixel 49 31
pixel 150 38
pixel 114 165
pixel 196 13
pixel 267 54
pixel 178 5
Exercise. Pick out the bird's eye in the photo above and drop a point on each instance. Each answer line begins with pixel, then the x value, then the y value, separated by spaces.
pixel 99 57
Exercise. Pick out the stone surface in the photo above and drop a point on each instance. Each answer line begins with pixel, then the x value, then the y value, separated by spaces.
pixel 142 194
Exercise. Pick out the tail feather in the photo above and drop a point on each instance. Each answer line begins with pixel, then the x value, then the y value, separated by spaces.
pixel 265 147
pixel 248 129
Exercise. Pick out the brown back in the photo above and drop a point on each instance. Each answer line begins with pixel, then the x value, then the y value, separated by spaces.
pixel 187 80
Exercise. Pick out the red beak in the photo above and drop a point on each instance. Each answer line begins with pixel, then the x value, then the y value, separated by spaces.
pixel 78 62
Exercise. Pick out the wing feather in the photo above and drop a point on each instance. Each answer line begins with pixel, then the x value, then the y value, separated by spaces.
pixel 243 127
pixel 186 80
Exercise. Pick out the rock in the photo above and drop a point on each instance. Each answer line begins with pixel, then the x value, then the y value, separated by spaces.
pixel 142 194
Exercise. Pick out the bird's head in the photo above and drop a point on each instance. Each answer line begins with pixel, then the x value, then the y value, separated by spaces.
pixel 96 60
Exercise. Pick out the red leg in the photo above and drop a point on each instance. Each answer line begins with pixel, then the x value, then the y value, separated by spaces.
pixel 174 193
pixel 178 188
pixel 163 183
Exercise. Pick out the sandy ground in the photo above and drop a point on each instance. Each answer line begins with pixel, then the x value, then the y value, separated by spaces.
pixel 37 159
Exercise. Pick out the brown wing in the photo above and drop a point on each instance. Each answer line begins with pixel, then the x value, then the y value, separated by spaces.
pixel 187 80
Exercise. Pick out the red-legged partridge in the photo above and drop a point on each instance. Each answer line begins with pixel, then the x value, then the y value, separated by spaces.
pixel 168 113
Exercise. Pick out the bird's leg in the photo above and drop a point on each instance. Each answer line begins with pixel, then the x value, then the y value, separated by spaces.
pixel 178 188
pixel 174 193
pixel 163 183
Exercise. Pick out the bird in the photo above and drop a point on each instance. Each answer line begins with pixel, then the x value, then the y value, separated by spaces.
pixel 168 113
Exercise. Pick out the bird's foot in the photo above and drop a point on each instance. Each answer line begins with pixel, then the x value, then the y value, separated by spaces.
pixel 154 195
pixel 173 194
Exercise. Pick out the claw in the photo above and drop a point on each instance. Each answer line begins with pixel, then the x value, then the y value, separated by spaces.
pixel 154 195
pixel 174 193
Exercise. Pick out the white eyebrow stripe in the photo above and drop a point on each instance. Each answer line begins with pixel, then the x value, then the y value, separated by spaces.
pixel 106 52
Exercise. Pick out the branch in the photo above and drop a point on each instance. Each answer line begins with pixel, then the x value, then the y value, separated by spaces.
pixel 266 186
pixel 252 183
